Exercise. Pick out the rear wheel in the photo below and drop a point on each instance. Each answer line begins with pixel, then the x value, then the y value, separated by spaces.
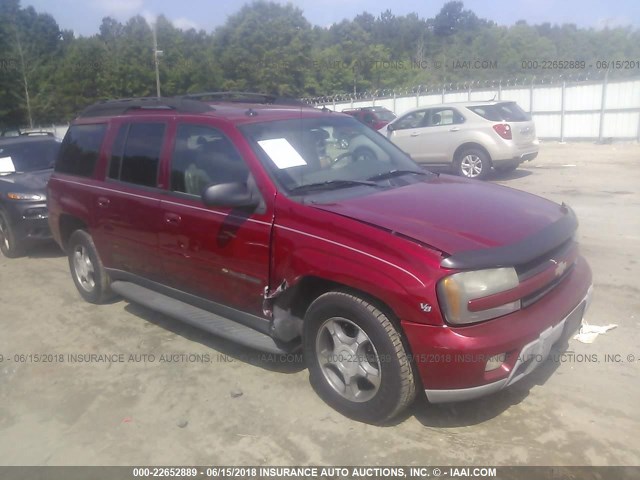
pixel 8 244
pixel 473 163
pixel 357 361
pixel 87 271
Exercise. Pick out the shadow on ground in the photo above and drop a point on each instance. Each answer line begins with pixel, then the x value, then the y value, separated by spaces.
pixel 290 363
pixel 513 175
pixel 45 250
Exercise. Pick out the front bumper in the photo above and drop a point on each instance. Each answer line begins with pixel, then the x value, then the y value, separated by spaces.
pixel 451 360
pixel 530 357
pixel 29 221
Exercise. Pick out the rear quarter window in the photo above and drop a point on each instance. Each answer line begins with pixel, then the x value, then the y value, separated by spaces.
pixel 501 112
pixel 80 149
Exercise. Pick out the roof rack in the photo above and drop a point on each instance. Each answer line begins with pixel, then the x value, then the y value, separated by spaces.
pixel 36 133
pixel 244 97
pixel 121 106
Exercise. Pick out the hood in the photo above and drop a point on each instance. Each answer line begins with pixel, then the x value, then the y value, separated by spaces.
pixel 26 182
pixel 453 214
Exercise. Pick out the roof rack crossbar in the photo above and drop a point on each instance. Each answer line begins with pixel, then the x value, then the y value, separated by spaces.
pixel 188 103
pixel 232 96
pixel 245 97
pixel 121 106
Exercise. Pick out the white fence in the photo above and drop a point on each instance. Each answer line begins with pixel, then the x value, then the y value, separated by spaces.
pixel 564 110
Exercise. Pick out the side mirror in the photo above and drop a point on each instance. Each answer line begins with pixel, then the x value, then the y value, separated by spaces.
pixel 390 127
pixel 233 195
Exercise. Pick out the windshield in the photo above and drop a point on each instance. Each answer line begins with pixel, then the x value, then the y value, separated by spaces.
pixel 334 152
pixel 385 115
pixel 28 156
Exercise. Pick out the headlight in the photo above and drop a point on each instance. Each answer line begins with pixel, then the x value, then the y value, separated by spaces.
pixel 455 291
pixel 32 197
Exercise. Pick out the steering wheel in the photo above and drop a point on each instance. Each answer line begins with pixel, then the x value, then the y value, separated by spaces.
pixel 341 161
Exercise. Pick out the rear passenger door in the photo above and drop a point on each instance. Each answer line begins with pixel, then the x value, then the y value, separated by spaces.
pixel 128 205
pixel 219 254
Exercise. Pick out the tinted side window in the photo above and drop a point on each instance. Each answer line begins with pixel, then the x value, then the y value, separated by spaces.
pixel 501 112
pixel 204 156
pixel 141 155
pixel 80 149
pixel 511 112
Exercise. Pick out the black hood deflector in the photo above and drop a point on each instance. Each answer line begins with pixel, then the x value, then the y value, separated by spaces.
pixel 519 253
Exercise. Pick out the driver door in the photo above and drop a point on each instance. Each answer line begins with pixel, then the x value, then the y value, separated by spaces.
pixel 219 254
pixel 407 135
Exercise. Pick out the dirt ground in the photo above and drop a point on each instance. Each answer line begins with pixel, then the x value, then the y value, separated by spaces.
pixel 186 397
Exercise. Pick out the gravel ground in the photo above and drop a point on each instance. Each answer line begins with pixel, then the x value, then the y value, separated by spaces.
pixel 186 397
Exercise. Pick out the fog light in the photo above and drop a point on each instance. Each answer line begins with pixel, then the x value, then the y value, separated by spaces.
pixel 495 362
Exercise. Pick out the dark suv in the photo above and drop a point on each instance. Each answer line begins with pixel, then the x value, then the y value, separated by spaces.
pixel 26 163
pixel 245 220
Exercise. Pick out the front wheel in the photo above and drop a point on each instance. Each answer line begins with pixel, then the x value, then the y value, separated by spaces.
pixel 89 275
pixel 473 163
pixel 8 244
pixel 357 361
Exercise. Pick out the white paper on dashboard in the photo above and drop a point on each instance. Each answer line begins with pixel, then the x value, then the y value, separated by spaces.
pixel 6 165
pixel 282 153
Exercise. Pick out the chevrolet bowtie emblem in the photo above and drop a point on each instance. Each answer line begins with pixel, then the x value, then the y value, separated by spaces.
pixel 562 266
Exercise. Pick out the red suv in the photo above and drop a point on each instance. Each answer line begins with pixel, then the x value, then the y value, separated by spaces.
pixel 372 117
pixel 249 222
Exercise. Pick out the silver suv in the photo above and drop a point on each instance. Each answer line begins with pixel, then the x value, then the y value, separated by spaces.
pixel 470 137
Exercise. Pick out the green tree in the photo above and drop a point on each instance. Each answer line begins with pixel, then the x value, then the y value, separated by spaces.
pixel 265 47
pixel 31 41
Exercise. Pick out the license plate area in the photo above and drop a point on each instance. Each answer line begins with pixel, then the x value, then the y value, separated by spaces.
pixel 536 352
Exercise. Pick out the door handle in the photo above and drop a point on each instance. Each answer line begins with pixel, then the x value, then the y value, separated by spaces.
pixel 172 218
pixel 103 202
pixel 454 129
pixel 415 134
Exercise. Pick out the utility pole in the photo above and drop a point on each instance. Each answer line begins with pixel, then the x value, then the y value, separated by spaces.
pixel 156 54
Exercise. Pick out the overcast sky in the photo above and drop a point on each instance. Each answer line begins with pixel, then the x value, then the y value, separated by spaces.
pixel 84 16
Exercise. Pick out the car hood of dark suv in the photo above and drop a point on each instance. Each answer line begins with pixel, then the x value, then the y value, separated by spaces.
pixel 26 181
pixel 453 214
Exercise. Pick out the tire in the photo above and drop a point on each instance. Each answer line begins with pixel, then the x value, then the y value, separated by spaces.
pixel 357 361
pixel 473 163
pixel 87 271
pixel 9 245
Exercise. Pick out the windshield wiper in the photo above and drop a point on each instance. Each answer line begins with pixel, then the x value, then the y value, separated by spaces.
pixel 332 185
pixel 394 173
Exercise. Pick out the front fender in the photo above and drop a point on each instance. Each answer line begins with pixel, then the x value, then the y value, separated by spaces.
pixel 298 255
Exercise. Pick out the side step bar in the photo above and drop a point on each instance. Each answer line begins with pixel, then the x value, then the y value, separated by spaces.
pixel 220 326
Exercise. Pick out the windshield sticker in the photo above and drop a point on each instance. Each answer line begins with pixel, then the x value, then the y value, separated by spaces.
pixel 282 153
pixel 6 165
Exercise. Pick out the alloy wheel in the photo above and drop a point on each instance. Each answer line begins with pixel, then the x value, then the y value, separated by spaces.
pixel 471 165
pixel 348 359
pixel 83 268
